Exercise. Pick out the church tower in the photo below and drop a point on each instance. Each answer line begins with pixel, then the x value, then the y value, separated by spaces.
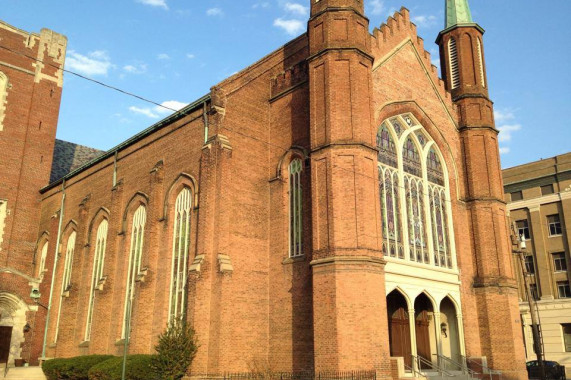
pixel 494 285
pixel 349 306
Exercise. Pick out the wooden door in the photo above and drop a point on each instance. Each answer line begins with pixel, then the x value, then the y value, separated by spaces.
pixel 423 337
pixel 399 335
pixel 5 338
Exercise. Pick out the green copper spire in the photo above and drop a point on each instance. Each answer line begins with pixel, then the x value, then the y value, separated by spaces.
pixel 457 13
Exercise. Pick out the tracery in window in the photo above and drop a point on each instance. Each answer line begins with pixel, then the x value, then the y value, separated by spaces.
pixel 180 246
pixel 134 269
pixel 415 207
pixel 97 272
pixel 295 209
pixel 387 148
pixel 411 158
pixel 390 208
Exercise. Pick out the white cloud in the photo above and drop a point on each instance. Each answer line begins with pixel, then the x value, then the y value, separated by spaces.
pixel 156 112
pixel 190 55
pixel 504 150
pixel 135 69
pixel 163 57
pixel 292 27
pixel 503 115
pixel 377 7
pixel 94 63
pixel 172 104
pixel 296 9
pixel 261 4
pixel 214 12
pixel 507 130
pixel 424 21
pixel 155 3
pixel 144 111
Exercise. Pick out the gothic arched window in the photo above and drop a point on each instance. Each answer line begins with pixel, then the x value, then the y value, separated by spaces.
pixel 180 246
pixel 3 94
pixel 135 256
pixel 295 208
pixel 43 257
pixel 97 272
pixel 415 206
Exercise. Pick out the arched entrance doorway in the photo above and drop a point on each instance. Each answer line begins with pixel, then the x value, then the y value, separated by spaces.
pixel 425 332
pixel 399 330
pixel 12 322
pixel 450 336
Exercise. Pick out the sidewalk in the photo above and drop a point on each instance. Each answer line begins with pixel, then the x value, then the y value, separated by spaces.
pixel 23 373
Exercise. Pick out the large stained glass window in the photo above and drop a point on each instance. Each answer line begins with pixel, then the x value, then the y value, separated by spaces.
pixel 414 205
pixel 97 272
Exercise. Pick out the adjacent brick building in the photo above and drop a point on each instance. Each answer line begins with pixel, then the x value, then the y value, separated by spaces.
pixel 334 206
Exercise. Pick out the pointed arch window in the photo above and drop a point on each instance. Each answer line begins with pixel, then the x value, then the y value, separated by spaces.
pixel 3 95
pixel 134 268
pixel 295 208
pixel 66 278
pixel 413 191
pixel 97 272
pixel 180 247
pixel 43 257
pixel 481 62
pixel 454 67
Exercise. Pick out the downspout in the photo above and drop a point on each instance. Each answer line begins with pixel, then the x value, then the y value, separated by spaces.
pixel 54 269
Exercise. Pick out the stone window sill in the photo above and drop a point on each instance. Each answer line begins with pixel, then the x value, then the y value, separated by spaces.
pixel 85 343
pixel 292 260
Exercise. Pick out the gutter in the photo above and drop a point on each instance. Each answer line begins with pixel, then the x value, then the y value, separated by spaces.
pixel 200 103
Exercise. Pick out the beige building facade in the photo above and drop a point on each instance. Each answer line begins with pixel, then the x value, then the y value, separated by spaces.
pixel 539 205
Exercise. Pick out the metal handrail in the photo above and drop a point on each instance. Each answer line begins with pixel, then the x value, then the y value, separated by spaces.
pixel 485 369
pixel 414 371
pixel 461 366
pixel 420 360
pixel 6 369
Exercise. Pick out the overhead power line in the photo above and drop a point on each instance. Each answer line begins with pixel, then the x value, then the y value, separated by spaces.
pixel 90 79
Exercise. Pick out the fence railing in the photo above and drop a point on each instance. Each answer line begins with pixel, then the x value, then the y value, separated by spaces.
pixel 304 375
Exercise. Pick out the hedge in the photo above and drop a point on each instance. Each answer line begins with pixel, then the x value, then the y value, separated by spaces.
pixel 138 368
pixel 72 368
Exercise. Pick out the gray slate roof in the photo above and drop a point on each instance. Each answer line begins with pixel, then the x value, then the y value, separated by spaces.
pixel 69 156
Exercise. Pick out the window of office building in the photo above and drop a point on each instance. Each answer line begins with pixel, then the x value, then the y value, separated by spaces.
pixel 529 264
pixel 517 196
pixel 564 289
pixel 554 225
pixel 559 262
pixel 547 189
pixel 523 229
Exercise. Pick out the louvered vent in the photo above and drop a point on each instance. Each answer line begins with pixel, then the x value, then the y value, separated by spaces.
pixel 481 61
pixel 453 58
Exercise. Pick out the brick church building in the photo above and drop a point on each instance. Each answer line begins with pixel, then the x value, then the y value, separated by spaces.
pixel 334 206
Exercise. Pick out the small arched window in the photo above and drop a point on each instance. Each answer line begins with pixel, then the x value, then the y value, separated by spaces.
pixel 481 63
pixel 295 208
pixel 43 256
pixel 66 284
pixel 97 273
pixel 454 67
pixel 3 94
pixel 180 247
pixel 135 257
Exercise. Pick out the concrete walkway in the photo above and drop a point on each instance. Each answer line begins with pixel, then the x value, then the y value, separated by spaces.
pixel 23 373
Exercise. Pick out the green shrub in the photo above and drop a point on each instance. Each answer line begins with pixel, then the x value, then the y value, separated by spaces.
pixel 175 351
pixel 72 368
pixel 138 368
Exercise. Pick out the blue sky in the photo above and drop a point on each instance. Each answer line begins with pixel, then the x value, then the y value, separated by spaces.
pixel 173 51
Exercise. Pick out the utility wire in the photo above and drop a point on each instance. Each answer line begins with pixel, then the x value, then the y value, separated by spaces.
pixel 224 127
pixel 89 79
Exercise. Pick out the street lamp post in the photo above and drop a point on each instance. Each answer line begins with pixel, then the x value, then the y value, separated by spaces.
pixel 532 309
